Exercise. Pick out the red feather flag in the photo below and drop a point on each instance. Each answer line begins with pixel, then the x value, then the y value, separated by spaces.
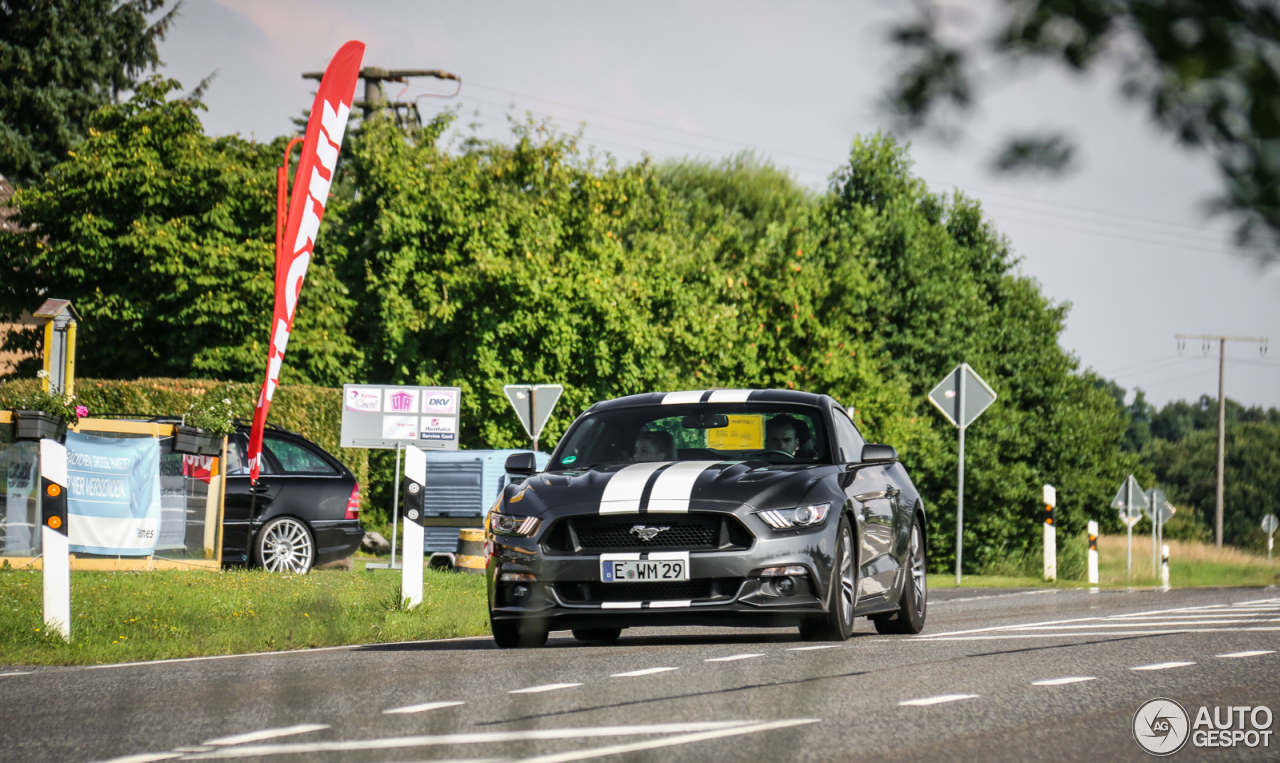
pixel 320 148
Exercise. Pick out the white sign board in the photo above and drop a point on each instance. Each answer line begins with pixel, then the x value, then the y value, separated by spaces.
pixel 385 415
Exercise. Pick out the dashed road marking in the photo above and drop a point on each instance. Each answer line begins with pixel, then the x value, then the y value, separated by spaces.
pixel 644 672
pixel 258 736
pixel 1163 666
pixel 938 700
pixel 811 648
pixel 620 749
pixel 733 657
pixel 544 687
pixel 424 707
pixel 484 737
pixel 145 757
pixel 1255 653
pixel 1062 681
pixel 27 673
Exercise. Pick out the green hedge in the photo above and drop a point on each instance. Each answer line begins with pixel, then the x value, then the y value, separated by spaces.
pixel 313 412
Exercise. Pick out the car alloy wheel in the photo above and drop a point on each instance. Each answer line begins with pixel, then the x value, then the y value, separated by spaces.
pixel 915 592
pixel 837 624
pixel 285 545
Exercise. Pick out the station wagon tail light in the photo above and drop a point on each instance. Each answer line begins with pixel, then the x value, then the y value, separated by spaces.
pixel 508 524
pixel 802 516
pixel 353 503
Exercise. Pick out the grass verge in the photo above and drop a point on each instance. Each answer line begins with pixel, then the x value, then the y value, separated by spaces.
pixel 131 616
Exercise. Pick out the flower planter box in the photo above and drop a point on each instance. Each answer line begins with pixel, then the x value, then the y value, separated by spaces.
pixel 195 441
pixel 38 425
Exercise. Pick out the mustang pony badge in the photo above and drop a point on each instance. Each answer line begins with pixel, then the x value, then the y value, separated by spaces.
pixel 647 534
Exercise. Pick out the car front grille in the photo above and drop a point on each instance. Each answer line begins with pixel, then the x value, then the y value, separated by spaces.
pixel 626 532
pixel 701 589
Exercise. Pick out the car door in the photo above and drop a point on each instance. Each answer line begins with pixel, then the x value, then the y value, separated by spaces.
pixel 245 503
pixel 874 501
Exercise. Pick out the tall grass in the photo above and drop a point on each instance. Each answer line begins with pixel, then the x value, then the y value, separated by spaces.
pixel 127 616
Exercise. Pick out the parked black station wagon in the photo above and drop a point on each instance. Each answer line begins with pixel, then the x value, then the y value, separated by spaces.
pixel 713 507
pixel 303 511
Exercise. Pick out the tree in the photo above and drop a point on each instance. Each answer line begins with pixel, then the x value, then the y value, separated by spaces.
pixel 61 60
pixel 1204 69
pixel 162 237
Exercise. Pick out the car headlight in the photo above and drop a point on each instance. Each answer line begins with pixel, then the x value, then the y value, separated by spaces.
pixel 509 524
pixel 801 516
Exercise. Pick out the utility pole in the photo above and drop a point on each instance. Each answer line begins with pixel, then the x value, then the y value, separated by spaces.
pixel 374 76
pixel 1222 408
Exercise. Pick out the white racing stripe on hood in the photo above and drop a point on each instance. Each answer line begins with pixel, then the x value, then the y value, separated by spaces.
pixel 729 396
pixel 674 487
pixel 622 492
pixel 677 398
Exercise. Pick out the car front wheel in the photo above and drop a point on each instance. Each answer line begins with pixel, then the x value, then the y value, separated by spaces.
pixel 285 545
pixel 915 592
pixel 837 624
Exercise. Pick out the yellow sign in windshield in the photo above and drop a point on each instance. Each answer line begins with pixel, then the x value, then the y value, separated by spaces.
pixel 743 433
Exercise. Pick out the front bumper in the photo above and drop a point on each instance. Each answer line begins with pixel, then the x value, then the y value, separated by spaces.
pixel 724 587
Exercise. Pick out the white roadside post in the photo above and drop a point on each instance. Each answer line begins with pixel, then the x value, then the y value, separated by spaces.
pixel 961 397
pixel 415 483
pixel 1050 534
pixel 1269 525
pixel 1164 567
pixel 53 537
pixel 1093 553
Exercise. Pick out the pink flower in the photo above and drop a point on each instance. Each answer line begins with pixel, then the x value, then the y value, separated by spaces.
pixel 81 411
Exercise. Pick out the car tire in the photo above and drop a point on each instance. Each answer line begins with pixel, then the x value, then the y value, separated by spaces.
pixel 597 634
pixel 914 603
pixel 285 544
pixel 842 599
pixel 517 634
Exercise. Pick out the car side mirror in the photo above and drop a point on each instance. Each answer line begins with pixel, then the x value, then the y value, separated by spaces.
pixel 522 464
pixel 873 453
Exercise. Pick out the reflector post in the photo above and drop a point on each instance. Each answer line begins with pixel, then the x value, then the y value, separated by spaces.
pixel 53 538
pixel 411 559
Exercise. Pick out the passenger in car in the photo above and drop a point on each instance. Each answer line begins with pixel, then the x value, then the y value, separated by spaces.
pixel 654 446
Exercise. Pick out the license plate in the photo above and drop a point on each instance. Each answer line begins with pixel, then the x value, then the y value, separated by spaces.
pixel 658 566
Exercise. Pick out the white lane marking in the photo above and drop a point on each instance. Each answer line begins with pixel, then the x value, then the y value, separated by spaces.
pixel 620 749
pixel 424 707
pixel 643 672
pixel 27 673
pixel 729 396
pixel 622 492
pixel 680 398
pixel 733 657
pixel 938 700
pixel 811 648
pixel 1163 666
pixel 1084 634
pixel 992 596
pixel 1256 653
pixel 1110 620
pixel 544 687
pixel 144 757
pixel 258 736
pixel 674 487
pixel 1134 624
pixel 194 748
pixel 1062 681
pixel 484 737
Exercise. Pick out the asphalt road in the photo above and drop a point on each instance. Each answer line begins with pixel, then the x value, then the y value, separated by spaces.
pixel 970 688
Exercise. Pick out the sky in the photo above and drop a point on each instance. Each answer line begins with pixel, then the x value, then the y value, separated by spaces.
pixel 1124 238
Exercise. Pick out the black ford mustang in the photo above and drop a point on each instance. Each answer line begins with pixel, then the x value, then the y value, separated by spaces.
pixel 723 507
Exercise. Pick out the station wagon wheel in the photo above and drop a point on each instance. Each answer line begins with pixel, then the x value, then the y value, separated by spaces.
pixel 285 545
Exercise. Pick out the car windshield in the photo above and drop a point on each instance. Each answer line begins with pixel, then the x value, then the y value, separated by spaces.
pixel 775 433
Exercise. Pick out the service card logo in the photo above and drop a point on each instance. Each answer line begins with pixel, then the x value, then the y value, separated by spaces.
pixel 400 401
pixel 364 399
pixel 439 428
pixel 440 401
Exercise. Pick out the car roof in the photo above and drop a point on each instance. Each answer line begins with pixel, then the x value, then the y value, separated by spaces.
pixel 702 396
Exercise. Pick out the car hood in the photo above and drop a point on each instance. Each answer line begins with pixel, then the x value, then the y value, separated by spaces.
pixel 663 487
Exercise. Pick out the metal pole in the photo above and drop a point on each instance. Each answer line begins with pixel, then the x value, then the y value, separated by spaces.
pixel 1155 550
pixel 1128 520
pixel 533 417
pixel 1222 437
pixel 960 476
pixel 395 508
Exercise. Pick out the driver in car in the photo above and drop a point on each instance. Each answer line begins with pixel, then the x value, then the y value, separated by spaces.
pixel 785 433
pixel 654 446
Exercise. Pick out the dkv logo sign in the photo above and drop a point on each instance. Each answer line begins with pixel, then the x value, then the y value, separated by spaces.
pixel 439 401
